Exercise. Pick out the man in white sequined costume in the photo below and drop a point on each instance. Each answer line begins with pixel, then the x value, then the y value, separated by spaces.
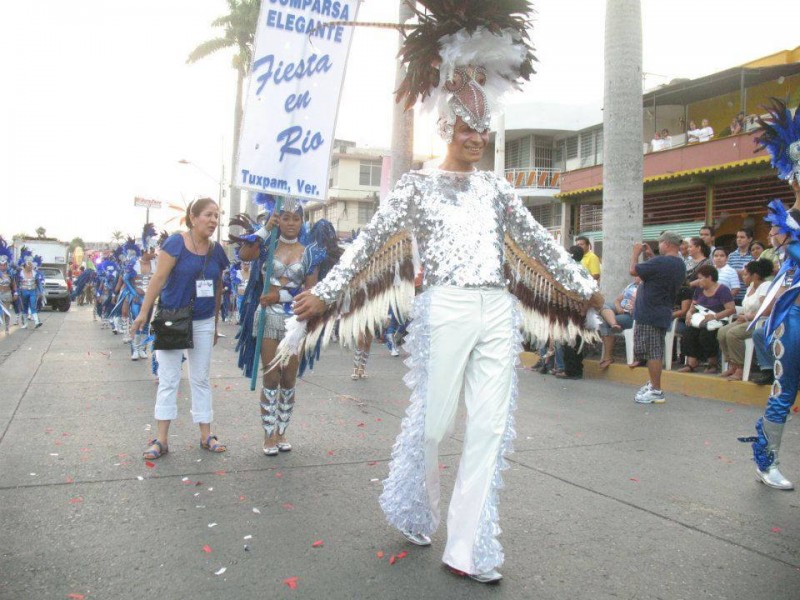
pixel 465 331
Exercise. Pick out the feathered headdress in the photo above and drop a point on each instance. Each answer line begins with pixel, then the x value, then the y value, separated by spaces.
pixel 780 136
pixel 268 201
pixel 25 255
pixel 6 255
pixel 465 55
pixel 108 268
pixel 787 221
pixel 149 233
pixel 130 249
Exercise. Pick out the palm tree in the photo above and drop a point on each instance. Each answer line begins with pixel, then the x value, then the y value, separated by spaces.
pixel 403 120
pixel 622 142
pixel 238 32
pixel 117 236
pixel 40 231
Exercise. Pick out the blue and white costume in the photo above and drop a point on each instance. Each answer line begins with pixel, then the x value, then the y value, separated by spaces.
pixel 30 286
pixel 781 137
pixel 8 292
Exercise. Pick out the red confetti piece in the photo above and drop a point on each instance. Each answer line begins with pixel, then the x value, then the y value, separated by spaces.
pixel 372 463
pixel 278 474
pixel 65 434
pixel 149 465
pixel 318 544
pixel 361 424
pixel 227 388
pixel 330 452
pixel 796 409
pixel 69 480
pixel 634 479
pixel 728 410
pixel 380 554
pixel 776 530
pixel 242 498
pixel 76 500
pixel 48 430
pixel 288 506
pixel 378 419
pixel 219 473
pixel 76 596
pixel 187 482
pixel 403 554
pixel 291 582
pixel 207 549
pixel 393 559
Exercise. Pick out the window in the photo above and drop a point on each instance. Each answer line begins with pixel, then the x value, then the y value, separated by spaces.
pixel 332 211
pixel 518 153
pixel 544 152
pixel 587 148
pixel 365 212
pixel 369 173
pixel 572 147
pixel 548 215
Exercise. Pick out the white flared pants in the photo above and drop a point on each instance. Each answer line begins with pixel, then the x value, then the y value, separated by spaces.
pixel 471 346
pixel 170 364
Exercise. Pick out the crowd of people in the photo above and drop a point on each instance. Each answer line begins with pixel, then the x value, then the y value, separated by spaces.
pixel 21 288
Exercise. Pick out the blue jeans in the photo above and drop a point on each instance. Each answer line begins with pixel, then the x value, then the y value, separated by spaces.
pixel 764 356
pixel 624 320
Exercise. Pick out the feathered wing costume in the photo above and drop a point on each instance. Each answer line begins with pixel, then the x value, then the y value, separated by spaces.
pixel 780 135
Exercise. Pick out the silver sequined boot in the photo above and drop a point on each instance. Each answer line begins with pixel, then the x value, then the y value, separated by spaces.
pixel 285 408
pixel 269 416
pixel 771 476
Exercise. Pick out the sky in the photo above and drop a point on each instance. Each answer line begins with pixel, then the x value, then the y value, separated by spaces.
pixel 99 105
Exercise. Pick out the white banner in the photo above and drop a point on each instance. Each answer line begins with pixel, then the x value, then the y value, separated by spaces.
pixel 146 203
pixel 295 81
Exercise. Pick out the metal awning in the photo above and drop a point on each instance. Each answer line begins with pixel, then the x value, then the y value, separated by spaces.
pixel 717 84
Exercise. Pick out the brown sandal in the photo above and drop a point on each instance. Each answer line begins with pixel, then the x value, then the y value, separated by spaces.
pixel 157 452
pixel 212 446
pixel 687 369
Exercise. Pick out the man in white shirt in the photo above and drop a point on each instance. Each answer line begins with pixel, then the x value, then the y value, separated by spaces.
pixel 705 133
pixel 727 275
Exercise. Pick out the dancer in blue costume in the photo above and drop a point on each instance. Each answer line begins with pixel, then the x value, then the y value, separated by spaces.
pixel 781 137
pixel 30 284
pixel 107 272
pixel 295 269
pixel 8 284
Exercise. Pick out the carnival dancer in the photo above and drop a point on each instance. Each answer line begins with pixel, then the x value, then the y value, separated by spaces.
pixel 474 235
pixel 295 268
pixel 124 290
pixel 780 135
pixel 136 279
pixel 8 287
pixel 30 284
pixel 107 273
pixel 227 286
pixel 240 278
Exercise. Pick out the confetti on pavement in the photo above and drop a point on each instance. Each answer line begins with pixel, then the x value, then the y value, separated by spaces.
pixel 207 549
pixel 291 582
pixel 221 571
pixel 318 544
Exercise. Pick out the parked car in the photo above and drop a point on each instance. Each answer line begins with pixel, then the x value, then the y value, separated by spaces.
pixel 55 288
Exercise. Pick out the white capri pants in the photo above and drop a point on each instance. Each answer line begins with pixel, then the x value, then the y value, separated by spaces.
pixel 169 376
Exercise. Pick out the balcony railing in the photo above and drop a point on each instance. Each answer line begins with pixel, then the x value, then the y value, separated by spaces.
pixel 544 179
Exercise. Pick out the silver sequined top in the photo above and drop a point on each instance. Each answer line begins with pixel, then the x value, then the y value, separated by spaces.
pixel 460 221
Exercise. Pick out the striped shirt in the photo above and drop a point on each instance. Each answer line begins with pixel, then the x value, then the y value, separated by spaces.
pixel 737 262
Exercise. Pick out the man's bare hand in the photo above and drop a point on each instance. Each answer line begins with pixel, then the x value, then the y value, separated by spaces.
pixel 307 305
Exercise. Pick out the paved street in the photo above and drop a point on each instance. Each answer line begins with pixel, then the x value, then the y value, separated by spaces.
pixel 604 498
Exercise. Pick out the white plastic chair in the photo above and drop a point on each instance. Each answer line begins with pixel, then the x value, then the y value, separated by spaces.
pixel 669 342
pixel 628 335
pixel 749 348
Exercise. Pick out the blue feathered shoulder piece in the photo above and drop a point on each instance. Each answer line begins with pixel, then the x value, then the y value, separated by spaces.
pixel 246 341
pixel 787 221
pixel 24 253
pixel 148 235
pixel 780 136
pixel 250 227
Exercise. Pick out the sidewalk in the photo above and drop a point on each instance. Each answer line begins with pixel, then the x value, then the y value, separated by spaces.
pixel 604 498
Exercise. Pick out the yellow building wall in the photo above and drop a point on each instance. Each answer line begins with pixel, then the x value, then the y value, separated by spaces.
pixel 720 110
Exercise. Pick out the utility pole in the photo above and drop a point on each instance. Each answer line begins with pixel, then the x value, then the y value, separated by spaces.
pixel 403 121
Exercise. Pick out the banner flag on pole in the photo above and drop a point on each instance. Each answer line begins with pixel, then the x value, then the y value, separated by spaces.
pixel 293 96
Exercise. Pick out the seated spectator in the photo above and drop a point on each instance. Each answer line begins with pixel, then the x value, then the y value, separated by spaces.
pixel 700 343
pixel 741 256
pixel 683 252
pixel 656 144
pixel 771 253
pixel 735 127
pixel 666 139
pixel 731 337
pixel 683 302
pixel 698 257
pixel 740 120
pixel 757 249
pixel 727 276
pixel 616 317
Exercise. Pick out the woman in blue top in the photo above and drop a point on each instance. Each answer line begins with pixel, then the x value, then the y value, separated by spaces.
pixel 189 267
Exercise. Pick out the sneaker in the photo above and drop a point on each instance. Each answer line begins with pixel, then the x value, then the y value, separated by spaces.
pixel 652 396
pixel 763 377
pixel 142 353
pixel 642 391
pixel 134 354
pixel 394 351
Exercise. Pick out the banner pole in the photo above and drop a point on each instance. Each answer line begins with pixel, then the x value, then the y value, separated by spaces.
pixel 262 313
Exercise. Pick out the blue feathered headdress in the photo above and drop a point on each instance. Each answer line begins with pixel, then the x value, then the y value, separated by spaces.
pixel 6 255
pixel 267 202
pixel 108 268
pixel 149 234
pixel 787 221
pixel 129 246
pixel 780 136
pixel 24 253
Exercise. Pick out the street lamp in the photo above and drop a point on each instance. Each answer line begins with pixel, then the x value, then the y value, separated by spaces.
pixel 219 182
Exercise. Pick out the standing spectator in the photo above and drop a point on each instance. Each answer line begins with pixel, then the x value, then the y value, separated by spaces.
pixel 189 272
pixel 698 256
pixel 590 260
pixel 706 132
pixel 700 343
pixel 656 144
pixel 771 253
pixel 741 256
pixel 757 249
pixel 727 276
pixel 707 235
pixel 662 277
pixel 666 139
pixel 731 337
pixel 735 127
pixel 693 133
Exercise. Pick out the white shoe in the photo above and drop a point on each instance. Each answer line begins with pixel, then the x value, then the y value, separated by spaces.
pixel 134 354
pixel 420 539
pixel 492 576
pixel 651 396
pixel 126 339
pixel 142 353
pixel 271 451
pixel 394 352
pixel 642 391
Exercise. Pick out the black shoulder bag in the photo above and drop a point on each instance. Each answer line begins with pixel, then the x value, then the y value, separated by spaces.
pixel 173 326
